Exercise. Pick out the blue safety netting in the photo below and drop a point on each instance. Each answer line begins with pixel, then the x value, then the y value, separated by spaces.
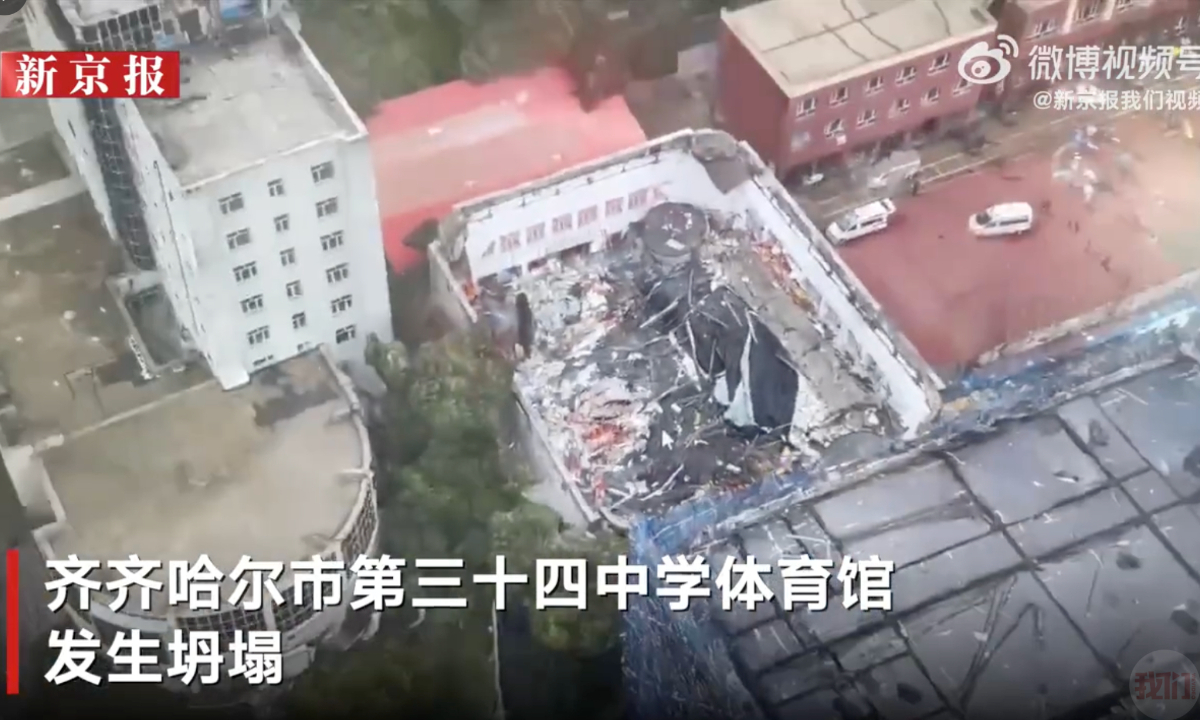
pixel 677 663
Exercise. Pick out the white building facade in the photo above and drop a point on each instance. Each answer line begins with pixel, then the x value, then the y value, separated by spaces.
pixel 264 233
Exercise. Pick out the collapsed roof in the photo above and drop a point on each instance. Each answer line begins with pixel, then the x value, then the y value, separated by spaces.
pixel 656 368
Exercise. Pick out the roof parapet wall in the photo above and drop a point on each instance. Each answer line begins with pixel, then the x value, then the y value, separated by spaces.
pixel 707 168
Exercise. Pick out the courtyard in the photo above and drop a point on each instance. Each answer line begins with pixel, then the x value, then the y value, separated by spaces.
pixel 958 297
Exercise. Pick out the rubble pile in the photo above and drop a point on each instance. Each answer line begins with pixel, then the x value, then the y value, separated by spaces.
pixel 651 375
pixel 641 370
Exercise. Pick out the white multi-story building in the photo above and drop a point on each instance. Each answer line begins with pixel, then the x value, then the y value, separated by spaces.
pixel 132 420
pixel 250 200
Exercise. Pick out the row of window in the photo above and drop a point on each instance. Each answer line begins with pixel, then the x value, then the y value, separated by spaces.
pixel 899 108
pixel 255 303
pixel 235 202
pixel 1086 12
pixel 275 188
pixel 260 335
pixel 248 271
pixel 241 238
pixel 874 86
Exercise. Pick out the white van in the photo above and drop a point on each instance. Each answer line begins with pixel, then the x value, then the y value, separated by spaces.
pixel 861 221
pixel 1003 219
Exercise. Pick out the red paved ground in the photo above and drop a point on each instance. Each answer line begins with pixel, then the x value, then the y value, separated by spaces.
pixel 1166 195
pixel 957 297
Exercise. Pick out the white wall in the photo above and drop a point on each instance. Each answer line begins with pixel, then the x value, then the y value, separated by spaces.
pixel 70 120
pixel 169 225
pixel 666 170
pixel 357 218
pixel 505 236
pixel 196 264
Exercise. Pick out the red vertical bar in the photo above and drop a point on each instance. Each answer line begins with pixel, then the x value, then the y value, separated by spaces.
pixel 12 622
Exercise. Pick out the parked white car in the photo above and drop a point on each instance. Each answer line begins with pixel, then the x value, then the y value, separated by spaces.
pixel 1003 219
pixel 870 218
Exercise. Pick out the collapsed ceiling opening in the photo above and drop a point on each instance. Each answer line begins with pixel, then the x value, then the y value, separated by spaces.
pixel 655 371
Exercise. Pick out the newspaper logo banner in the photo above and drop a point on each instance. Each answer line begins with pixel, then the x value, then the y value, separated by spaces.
pixel 982 64
pixel 150 74
pixel 1163 685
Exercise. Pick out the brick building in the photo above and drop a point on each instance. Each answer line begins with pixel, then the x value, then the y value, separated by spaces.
pixel 808 83
pixel 1089 22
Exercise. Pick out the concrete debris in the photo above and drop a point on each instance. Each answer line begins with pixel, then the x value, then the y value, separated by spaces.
pixel 655 372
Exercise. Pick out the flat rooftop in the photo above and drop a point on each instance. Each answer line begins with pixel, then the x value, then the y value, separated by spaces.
pixel 1035 566
pixel 251 97
pixel 271 470
pixel 639 367
pixel 957 297
pixel 806 45
pixel 461 140
pixel 64 348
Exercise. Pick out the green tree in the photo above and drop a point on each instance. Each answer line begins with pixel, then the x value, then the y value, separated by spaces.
pixel 442 478
pixel 449 488
pixel 381 49
pixel 532 532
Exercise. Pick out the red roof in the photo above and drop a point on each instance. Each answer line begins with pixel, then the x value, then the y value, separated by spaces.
pixel 452 143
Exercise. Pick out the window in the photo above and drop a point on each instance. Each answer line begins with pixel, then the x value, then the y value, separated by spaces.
pixel 294 290
pixel 962 87
pixel 337 273
pixel 332 240
pixel 264 360
pixel 800 139
pixel 1123 5
pixel 231 203
pixel 304 345
pixel 806 107
pixel 258 336
pixel 242 273
pixel 874 85
pixel 237 239
pixel 299 320
pixel 341 305
pixel 907 74
pixel 940 63
pixel 1044 28
pixel 252 304
pixel 275 188
pixel 322 172
pixel 328 207
pixel 1089 10
pixel 839 96
pixel 282 223
pixel 835 127
pixel 900 107
pixel 866 118
pixel 345 334
pixel 931 97
pixel 287 257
